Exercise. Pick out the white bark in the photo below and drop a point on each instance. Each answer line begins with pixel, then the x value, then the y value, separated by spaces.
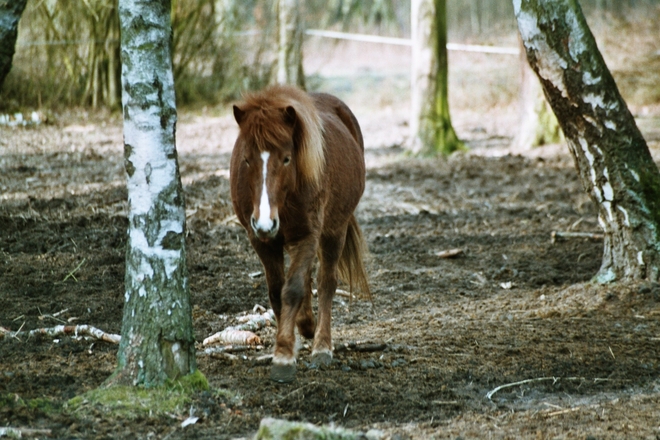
pixel 157 341
pixel 290 36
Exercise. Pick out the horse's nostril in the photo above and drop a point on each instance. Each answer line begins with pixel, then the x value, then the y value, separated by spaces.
pixel 276 224
pixel 253 222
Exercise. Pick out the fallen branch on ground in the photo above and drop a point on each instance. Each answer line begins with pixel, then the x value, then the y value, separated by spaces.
pixel 232 336
pixel 256 321
pixel 558 235
pixel 449 253
pixel 7 431
pixel 228 349
pixel 539 379
pixel 81 330
pixel 243 334
pixel 364 347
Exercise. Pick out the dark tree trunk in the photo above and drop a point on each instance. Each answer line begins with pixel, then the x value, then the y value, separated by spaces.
pixel 10 14
pixel 157 338
pixel 611 156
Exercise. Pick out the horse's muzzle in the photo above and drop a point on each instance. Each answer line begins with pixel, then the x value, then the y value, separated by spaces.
pixel 265 234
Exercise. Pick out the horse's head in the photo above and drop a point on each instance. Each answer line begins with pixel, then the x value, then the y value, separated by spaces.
pixel 280 149
pixel 267 155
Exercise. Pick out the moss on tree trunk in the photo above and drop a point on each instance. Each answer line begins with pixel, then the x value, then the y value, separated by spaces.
pixel 430 123
pixel 611 156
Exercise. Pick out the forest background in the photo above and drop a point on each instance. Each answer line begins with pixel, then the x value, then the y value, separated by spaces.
pixel 67 53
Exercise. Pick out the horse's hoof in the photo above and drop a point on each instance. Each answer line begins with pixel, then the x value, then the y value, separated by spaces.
pixel 283 373
pixel 322 358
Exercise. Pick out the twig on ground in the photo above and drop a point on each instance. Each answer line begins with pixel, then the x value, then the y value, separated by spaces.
pixel 541 379
pixel 7 431
pixel 563 411
pixel 449 253
pixel 230 219
pixel 223 355
pixel 559 235
pixel 61 330
pixel 522 382
pixel 54 316
pixel 338 292
pixel 444 402
pixel 71 274
pixel 228 349
pixel 265 359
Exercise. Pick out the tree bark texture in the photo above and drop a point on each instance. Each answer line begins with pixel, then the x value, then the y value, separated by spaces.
pixel 430 121
pixel 290 39
pixel 611 156
pixel 10 14
pixel 157 338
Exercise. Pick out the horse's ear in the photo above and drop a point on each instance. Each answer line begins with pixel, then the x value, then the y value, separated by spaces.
pixel 290 116
pixel 239 114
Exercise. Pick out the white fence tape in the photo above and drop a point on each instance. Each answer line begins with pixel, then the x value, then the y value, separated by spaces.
pixel 407 42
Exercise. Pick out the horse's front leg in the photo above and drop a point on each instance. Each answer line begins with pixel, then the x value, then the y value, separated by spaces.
pixel 272 259
pixel 294 295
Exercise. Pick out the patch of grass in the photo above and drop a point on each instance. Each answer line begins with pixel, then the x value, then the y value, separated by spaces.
pixel 133 402
pixel 40 404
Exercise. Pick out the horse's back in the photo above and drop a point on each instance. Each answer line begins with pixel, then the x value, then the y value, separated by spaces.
pixel 331 106
pixel 345 167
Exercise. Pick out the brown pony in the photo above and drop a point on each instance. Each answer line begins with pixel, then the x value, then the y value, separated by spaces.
pixel 297 174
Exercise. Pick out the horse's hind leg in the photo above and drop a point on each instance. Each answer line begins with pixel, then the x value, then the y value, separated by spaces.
pixel 331 248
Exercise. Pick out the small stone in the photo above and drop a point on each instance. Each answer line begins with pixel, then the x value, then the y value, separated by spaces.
pixel 367 364
pixel 644 289
pixel 374 434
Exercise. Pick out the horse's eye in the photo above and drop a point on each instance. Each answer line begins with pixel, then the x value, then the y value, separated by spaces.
pixel 247 162
pixel 287 160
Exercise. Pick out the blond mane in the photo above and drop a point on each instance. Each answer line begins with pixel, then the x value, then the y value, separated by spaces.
pixel 265 121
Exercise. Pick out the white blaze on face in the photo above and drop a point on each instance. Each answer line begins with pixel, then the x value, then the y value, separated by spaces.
pixel 264 222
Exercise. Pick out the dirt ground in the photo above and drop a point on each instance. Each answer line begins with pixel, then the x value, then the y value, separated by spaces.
pixel 515 306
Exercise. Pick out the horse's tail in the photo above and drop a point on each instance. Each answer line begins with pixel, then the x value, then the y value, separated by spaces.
pixel 351 263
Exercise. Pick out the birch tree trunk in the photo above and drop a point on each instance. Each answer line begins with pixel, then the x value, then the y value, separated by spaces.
pixel 430 122
pixel 157 338
pixel 290 39
pixel 10 14
pixel 611 156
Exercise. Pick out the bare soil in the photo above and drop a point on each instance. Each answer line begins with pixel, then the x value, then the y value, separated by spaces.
pixel 514 306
